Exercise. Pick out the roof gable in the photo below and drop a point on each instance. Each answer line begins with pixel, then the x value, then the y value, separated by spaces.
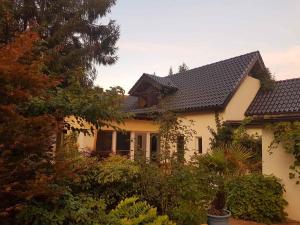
pixel 160 83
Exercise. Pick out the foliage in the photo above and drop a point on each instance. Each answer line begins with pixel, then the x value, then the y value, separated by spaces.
pixel 73 40
pixel 25 141
pixel 266 79
pixel 227 135
pixel 172 126
pixel 222 136
pixel 72 27
pixel 129 211
pixel 111 180
pixel 226 161
pixel 193 190
pixel 256 197
pixel 48 54
pixel 288 134
pixel 68 209
pixel 171 71
pixel 252 142
pixel 183 192
pixel 87 210
pixel 183 68
pixel 92 106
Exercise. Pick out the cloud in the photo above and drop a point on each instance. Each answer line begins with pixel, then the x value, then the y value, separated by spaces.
pixel 284 63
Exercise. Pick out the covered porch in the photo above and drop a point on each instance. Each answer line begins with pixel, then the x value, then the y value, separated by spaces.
pixel 132 144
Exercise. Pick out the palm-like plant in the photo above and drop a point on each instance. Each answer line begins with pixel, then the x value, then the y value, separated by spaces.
pixel 227 161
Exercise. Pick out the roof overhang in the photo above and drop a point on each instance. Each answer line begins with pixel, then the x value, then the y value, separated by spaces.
pixel 261 120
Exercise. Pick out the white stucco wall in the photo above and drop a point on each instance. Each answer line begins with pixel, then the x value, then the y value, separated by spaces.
pixel 235 110
pixel 277 164
pixel 86 142
pixel 240 101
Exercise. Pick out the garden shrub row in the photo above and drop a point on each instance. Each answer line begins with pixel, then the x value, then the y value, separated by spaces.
pixel 181 192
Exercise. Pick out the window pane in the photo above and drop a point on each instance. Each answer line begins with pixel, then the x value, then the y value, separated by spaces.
pixel 180 148
pixel 123 143
pixel 104 143
pixel 199 144
pixel 154 147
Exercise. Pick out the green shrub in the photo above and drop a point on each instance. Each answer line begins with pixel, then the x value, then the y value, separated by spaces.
pixel 256 197
pixel 183 192
pixel 111 179
pixel 84 210
pixel 228 135
pixel 132 212
pixel 68 210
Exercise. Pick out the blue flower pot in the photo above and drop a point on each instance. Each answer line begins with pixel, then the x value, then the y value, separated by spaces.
pixel 218 220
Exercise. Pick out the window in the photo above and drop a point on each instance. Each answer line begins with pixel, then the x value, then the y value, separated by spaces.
pixel 154 147
pixel 140 142
pixel 123 143
pixel 180 148
pixel 140 146
pixel 199 144
pixel 104 143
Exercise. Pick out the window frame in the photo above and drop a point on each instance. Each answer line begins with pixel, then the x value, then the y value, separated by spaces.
pixel 199 148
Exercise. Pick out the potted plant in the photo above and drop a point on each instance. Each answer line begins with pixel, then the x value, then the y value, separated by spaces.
pixel 217 213
pixel 227 161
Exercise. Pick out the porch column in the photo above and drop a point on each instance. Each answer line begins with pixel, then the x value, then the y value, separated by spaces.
pixel 132 143
pixel 114 143
pixel 148 141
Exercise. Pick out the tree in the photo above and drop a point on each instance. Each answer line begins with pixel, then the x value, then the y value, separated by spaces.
pixel 48 54
pixel 183 68
pixel 25 141
pixel 73 37
pixel 171 71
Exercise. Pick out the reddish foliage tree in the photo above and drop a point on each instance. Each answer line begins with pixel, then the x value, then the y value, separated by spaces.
pixel 26 142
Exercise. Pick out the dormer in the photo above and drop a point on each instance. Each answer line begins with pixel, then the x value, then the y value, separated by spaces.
pixel 150 89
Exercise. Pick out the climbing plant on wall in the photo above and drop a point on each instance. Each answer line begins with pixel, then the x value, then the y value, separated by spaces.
pixel 171 127
pixel 288 134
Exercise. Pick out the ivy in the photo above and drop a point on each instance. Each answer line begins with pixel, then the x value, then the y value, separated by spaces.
pixel 288 134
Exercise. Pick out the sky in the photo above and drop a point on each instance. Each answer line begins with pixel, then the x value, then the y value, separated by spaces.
pixel 158 34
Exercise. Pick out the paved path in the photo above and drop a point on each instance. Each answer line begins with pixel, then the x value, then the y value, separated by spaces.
pixel 245 222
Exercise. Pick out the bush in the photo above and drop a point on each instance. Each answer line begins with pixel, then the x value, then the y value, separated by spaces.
pixel 84 210
pixel 183 192
pixel 133 212
pixel 69 210
pixel 256 197
pixel 228 135
pixel 111 179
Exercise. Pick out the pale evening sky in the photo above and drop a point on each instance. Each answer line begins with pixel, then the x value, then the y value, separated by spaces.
pixel 158 34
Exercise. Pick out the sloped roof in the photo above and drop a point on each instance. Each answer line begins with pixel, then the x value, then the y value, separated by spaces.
pixel 158 82
pixel 283 98
pixel 164 81
pixel 208 87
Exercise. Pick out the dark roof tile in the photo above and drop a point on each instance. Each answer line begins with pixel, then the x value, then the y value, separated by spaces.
pixel 207 87
pixel 283 98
